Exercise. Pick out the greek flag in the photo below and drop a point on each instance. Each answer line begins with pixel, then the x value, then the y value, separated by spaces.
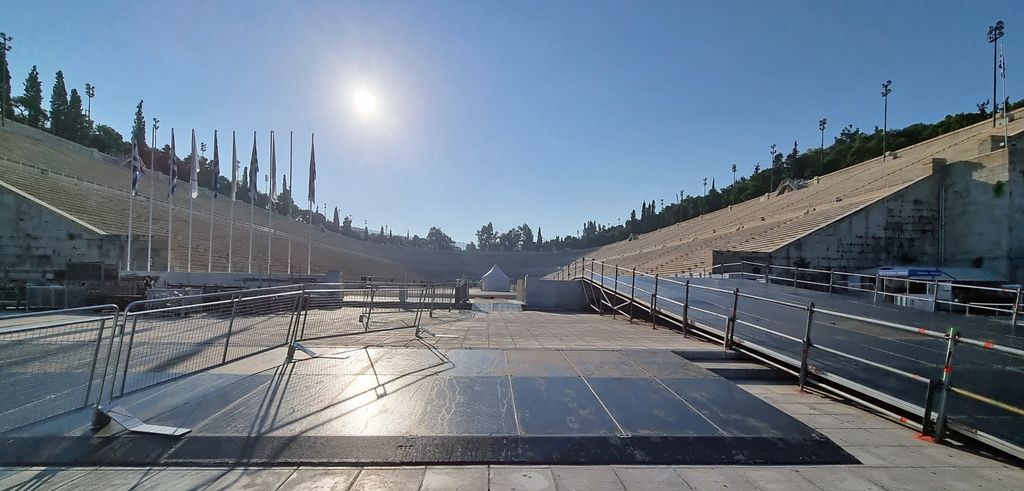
pixel 1002 64
pixel 137 169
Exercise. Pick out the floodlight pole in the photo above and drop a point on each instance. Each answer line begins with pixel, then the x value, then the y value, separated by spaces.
pixel 886 90
pixel 994 33
pixel 821 126
pixel 771 169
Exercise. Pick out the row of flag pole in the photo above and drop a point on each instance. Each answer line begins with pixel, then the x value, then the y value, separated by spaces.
pixel 138 170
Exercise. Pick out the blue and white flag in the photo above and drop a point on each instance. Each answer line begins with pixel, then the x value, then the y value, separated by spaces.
pixel 172 182
pixel 193 163
pixel 137 169
pixel 254 171
pixel 215 166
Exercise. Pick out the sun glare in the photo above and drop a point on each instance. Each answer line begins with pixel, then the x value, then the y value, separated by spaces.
pixel 365 102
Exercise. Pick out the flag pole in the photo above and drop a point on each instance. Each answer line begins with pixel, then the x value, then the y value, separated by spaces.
pixel 173 173
pixel 253 174
pixel 311 197
pixel 215 172
pixel 131 202
pixel 234 191
pixel 291 194
pixel 1006 102
pixel 152 191
pixel 191 198
pixel 270 199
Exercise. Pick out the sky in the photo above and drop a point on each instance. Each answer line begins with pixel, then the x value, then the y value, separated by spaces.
pixel 538 112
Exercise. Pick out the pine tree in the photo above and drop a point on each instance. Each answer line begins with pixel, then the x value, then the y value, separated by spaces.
pixel 59 106
pixel 139 128
pixel 540 238
pixel 5 77
pixel 337 218
pixel 76 124
pixel 31 100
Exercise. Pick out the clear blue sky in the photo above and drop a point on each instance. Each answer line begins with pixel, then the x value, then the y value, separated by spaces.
pixel 550 113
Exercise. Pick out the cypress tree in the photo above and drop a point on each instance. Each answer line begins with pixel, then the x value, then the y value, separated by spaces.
pixel 59 106
pixel 77 126
pixel 32 100
pixel 139 128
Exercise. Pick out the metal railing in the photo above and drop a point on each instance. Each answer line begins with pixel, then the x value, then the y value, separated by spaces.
pixel 815 355
pixel 50 362
pixel 1011 304
pixel 59 361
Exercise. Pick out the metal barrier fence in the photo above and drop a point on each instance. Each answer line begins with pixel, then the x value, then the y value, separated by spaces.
pixel 58 361
pixel 825 357
pixel 50 362
pixel 1008 301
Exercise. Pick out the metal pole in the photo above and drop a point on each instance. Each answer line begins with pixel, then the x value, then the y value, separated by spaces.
pixel 231 326
pixel 1016 308
pixel 632 297
pixel 602 275
pixel 686 309
pixel 831 280
pixel 309 244
pixel 730 325
pixel 95 359
pixel 615 285
pixel 190 200
pixel 995 63
pixel 291 194
pixel 874 297
pixel 152 192
pixel 947 371
pixel 654 303
pixel 131 201
pixel 935 294
pixel 270 229
pixel 170 215
pixel 806 348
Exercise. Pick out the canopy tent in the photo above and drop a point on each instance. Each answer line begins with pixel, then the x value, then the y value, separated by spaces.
pixel 495 280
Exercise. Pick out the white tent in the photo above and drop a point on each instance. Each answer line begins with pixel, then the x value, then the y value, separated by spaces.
pixel 495 280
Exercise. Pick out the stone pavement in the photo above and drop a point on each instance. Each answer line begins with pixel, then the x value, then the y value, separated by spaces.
pixel 892 456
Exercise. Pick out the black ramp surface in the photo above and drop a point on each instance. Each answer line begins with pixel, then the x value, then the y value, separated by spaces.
pixel 644 407
pixel 419 406
pixel 559 406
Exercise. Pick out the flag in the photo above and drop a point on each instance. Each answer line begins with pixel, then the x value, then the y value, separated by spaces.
pixel 137 171
pixel 254 171
pixel 273 167
pixel 1002 64
pixel 193 163
pixel 312 169
pixel 215 167
pixel 234 168
pixel 172 182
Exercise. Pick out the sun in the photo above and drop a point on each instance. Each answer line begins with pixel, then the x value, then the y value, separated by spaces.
pixel 364 101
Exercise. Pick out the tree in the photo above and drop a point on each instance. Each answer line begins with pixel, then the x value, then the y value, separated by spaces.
pixel 346 226
pixel 108 140
pixel 511 240
pixel 76 124
pixel 526 234
pixel 486 239
pixel 5 76
pixel 59 105
pixel 439 240
pixel 139 127
pixel 470 247
pixel 337 219
pixel 540 238
pixel 31 100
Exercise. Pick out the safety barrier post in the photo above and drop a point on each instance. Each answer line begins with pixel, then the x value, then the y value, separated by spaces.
pixel 1016 309
pixel 592 270
pixel 654 303
pixel 935 294
pixel 686 309
pixel 806 348
pixel 947 371
pixel 767 273
pixel 730 322
pixel 602 275
pixel 927 426
pixel 831 280
pixel 231 326
pixel 615 287
pixel 874 297
pixel 128 353
pixel 632 297
pixel 95 360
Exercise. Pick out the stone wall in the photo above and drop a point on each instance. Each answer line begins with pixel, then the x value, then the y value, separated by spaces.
pixel 36 242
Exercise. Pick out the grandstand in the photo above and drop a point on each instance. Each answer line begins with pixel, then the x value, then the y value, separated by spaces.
pixel 910 209
pixel 84 195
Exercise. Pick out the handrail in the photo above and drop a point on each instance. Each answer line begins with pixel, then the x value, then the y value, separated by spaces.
pixel 580 270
